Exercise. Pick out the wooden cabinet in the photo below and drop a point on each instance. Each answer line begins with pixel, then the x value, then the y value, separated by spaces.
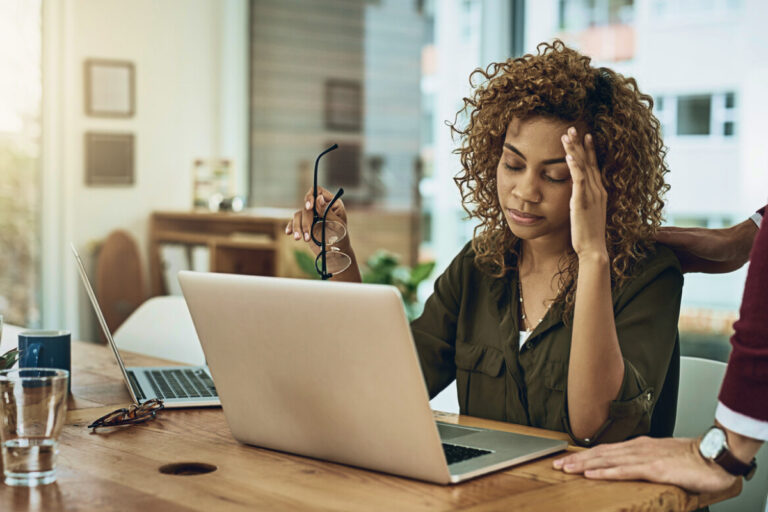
pixel 251 242
pixel 254 242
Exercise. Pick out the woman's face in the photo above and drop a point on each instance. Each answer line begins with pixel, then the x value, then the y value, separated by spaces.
pixel 533 180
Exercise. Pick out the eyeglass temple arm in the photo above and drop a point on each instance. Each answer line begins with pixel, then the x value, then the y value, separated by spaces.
pixel 324 274
pixel 315 215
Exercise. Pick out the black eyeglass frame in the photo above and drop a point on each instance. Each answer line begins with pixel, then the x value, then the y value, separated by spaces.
pixel 320 261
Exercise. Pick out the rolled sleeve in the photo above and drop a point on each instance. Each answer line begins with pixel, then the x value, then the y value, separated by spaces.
pixel 647 313
pixel 629 412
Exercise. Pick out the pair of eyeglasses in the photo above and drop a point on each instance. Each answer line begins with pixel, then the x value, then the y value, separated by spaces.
pixel 130 415
pixel 325 233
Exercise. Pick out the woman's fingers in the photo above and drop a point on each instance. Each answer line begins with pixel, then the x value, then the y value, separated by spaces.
pixel 582 162
pixel 300 225
pixel 593 169
pixel 589 148
pixel 576 147
pixel 578 176
pixel 296 225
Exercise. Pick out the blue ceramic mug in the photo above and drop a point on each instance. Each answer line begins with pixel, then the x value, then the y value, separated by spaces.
pixel 45 349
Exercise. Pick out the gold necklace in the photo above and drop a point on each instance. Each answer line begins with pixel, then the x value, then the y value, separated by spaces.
pixel 523 317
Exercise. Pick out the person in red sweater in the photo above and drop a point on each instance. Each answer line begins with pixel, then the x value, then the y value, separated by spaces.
pixel 727 450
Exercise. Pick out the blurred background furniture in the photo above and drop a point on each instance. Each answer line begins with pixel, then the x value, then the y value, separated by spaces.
pixel 162 327
pixel 239 243
pixel 253 242
pixel 700 381
pixel 119 279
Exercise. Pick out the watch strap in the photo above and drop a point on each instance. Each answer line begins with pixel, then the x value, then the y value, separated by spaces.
pixel 734 466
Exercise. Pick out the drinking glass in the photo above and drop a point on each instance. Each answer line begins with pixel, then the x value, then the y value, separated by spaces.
pixel 33 408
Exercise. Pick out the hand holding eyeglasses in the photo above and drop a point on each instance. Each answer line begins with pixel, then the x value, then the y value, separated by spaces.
pixel 300 226
pixel 322 222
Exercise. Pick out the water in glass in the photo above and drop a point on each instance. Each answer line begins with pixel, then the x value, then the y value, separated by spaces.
pixel 30 461
pixel 33 408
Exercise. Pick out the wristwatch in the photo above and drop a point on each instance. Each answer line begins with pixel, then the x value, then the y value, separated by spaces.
pixel 714 446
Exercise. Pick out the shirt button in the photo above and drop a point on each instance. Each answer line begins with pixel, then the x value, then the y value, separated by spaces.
pixel 649 396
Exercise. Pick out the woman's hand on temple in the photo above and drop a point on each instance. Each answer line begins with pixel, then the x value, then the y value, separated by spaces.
pixel 588 197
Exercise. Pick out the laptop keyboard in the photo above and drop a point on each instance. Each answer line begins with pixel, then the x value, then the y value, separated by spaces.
pixel 135 385
pixel 455 453
pixel 181 383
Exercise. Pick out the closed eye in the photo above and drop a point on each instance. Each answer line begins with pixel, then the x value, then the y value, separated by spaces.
pixel 556 180
pixel 514 168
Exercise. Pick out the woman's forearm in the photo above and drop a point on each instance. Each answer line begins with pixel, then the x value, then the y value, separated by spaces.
pixel 352 274
pixel 596 366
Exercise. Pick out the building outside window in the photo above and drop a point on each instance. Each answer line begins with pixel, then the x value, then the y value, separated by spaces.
pixel 702 63
pixel 21 84
pixel 711 115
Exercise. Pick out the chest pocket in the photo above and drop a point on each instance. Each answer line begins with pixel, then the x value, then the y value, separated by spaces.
pixel 555 375
pixel 479 380
pixel 547 402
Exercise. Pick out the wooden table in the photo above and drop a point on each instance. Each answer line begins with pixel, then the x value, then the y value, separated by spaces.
pixel 119 469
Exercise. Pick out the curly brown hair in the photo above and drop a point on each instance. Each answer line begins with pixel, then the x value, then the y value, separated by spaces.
pixel 560 83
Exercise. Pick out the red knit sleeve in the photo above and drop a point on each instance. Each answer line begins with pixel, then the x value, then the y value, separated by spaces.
pixel 745 388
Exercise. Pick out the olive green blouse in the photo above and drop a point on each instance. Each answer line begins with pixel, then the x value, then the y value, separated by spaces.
pixel 469 332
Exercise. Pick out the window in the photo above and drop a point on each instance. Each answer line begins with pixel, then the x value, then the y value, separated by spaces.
pixel 603 29
pixel 577 15
pixel 693 115
pixel 711 115
pixel 712 121
pixel 350 75
pixel 685 10
pixel 20 86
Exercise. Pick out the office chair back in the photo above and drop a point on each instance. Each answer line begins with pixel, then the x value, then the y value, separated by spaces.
pixel 700 381
pixel 119 279
pixel 162 327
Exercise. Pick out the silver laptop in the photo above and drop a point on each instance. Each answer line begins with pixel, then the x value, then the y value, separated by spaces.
pixel 329 370
pixel 177 386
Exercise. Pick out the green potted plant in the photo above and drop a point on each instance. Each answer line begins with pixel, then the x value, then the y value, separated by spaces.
pixel 383 267
pixel 8 359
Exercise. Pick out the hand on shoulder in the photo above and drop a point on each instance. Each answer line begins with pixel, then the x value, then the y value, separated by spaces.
pixel 712 251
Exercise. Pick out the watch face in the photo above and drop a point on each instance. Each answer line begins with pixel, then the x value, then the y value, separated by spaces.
pixel 712 443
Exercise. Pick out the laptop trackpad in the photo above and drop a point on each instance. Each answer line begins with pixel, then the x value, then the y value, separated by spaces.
pixel 448 431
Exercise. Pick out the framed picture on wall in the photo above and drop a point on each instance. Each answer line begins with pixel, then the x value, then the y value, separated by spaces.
pixel 108 158
pixel 109 88
pixel 343 105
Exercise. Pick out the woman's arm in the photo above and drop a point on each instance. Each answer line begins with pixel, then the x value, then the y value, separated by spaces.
pixel 596 365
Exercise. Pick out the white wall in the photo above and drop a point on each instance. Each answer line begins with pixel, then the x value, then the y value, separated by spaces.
pixel 190 57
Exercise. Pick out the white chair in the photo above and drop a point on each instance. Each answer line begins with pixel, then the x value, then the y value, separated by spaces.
pixel 10 337
pixel 700 381
pixel 161 327
pixel 447 400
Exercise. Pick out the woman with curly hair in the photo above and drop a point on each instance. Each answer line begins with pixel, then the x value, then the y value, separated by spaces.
pixel 561 312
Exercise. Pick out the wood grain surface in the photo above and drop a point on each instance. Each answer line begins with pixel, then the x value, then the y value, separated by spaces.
pixel 119 468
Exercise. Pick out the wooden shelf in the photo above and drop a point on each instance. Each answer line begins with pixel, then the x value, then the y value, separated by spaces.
pixel 254 242
pixel 240 243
